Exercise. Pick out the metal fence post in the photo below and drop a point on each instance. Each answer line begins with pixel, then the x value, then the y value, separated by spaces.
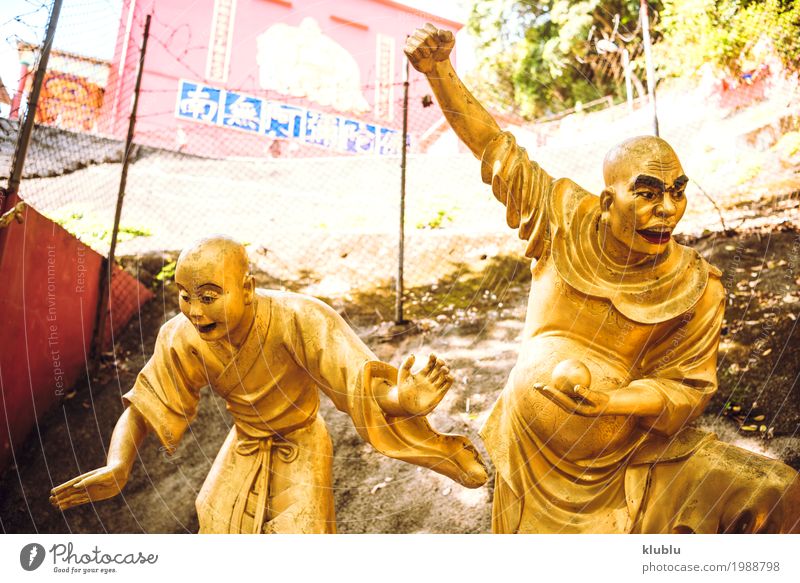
pixel 104 298
pixel 648 57
pixel 26 129
pixel 398 314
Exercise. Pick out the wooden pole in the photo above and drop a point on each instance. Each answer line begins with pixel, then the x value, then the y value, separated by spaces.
pixel 648 57
pixel 398 313
pixel 104 299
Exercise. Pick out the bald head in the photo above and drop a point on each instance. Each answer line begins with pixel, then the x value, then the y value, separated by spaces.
pixel 215 289
pixel 644 197
pixel 219 250
pixel 640 155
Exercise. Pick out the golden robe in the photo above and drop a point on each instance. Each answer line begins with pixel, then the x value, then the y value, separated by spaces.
pixel 654 326
pixel 274 471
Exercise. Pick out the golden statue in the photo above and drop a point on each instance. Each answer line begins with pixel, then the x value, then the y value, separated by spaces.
pixel 266 353
pixel 619 348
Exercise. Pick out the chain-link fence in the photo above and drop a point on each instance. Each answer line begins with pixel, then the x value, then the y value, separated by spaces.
pixel 313 189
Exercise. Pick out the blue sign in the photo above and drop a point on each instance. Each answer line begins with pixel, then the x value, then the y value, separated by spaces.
pixel 198 102
pixel 322 129
pixel 231 109
pixel 389 142
pixel 284 121
pixel 242 112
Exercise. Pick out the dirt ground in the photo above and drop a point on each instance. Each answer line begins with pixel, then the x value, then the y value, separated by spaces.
pixel 472 319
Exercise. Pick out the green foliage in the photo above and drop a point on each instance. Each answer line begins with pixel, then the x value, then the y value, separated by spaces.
pixel 96 232
pixel 167 272
pixel 540 56
pixel 748 172
pixel 436 222
pixel 788 147
pixel 726 34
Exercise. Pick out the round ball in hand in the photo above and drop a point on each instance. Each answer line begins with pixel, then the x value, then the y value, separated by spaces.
pixel 569 373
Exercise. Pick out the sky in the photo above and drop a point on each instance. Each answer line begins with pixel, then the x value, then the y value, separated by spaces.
pixel 89 27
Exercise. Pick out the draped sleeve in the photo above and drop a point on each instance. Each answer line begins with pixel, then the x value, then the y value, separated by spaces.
pixel 682 365
pixel 167 390
pixel 523 187
pixel 348 372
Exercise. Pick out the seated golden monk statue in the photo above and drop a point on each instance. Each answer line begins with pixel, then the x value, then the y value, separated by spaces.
pixel 619 349
pixel 267 353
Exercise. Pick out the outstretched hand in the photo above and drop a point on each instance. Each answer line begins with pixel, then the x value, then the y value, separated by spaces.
pixel 419 393
pixel 584 401
pixel 427 46
pixel 577 399
pixel 99 484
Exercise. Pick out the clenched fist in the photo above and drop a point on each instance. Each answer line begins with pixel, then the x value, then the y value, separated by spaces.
pixel 427 46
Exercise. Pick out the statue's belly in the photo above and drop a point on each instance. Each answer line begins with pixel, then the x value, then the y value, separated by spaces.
pixel 572 436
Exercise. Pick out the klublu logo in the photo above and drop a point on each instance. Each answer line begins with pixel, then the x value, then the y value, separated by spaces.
pixel 31 556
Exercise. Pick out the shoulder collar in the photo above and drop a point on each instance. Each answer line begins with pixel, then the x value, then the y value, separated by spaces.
pixel 646 293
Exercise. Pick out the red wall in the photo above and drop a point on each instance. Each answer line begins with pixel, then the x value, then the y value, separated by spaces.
pixel 178 49
pixel 48 305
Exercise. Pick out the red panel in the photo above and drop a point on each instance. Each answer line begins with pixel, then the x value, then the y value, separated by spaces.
pixel 48 305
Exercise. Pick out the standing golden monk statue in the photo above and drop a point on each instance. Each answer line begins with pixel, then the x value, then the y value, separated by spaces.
pixel 267 353
pixel 619 348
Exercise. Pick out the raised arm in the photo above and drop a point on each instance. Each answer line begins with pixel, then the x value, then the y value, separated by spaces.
pixel 428 50
pixel 517 182
pixel 107 481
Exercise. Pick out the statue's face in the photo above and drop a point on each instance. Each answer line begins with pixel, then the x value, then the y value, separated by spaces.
pixel 212 297
pixel 648 201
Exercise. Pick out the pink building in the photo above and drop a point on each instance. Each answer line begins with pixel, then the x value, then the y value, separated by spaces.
pixel 269 77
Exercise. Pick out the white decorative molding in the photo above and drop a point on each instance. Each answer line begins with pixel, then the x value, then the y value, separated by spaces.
pixel 220 40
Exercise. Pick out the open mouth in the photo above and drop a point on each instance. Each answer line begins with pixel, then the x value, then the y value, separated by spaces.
pixel 207 328
pixel 655 236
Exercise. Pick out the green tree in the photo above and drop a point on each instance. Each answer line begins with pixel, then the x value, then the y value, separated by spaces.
pixel 544 56
pixel 724 32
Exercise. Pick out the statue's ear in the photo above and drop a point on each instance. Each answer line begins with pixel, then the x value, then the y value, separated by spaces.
pixel 606 198
pixel 249 287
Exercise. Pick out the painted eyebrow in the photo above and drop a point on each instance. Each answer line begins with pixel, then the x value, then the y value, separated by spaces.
pixel 680 181
pixel 201 288
pixel 650 181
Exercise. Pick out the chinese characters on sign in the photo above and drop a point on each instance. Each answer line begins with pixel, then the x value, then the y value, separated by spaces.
pixel 230 109
pixel 198 102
